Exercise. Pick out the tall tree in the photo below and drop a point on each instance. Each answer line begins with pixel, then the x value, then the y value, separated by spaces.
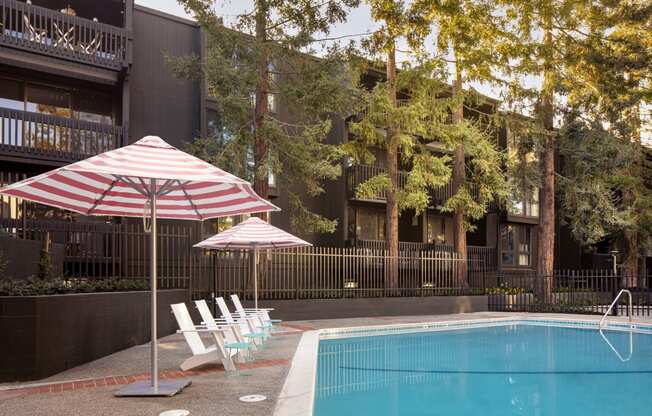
pixel 392 15
pixel 275 101
pixel 588 56
pixel 466 32
pixel 417 134
pixel 536 54
pixel 608 83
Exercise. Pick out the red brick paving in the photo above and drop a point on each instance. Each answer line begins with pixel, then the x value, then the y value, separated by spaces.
pixel 121 380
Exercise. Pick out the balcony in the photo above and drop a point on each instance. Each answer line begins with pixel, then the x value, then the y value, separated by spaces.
pixel 52 138
pixel 53 33
pixel 357 174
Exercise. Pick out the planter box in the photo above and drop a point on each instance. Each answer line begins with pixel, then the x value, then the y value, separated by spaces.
pixel 44 335
pixel 307 309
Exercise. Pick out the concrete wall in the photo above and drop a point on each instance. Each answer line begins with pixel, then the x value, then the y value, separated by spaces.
pixel 44 335
pixel 307 309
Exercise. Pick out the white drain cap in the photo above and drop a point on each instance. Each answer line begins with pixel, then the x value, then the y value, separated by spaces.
pixel 252 398
pixel 175 412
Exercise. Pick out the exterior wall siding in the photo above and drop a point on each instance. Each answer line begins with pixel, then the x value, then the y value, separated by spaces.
pixel 162 104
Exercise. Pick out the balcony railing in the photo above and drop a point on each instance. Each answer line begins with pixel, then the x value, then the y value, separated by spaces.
pixel 358 174
pixel 50 32
pixel 43 136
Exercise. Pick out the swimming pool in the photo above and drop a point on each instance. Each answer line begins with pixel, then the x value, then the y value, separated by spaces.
pixel 499 368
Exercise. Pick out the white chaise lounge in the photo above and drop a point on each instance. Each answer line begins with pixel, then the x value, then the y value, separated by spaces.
pixel 233 338
pixel 248 324
pixel 262 312
pixel 201 354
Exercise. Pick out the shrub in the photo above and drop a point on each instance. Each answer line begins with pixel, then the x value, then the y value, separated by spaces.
pixel 39 287
pixel 505 290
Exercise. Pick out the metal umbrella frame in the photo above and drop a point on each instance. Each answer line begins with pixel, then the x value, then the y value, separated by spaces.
pixel 122 182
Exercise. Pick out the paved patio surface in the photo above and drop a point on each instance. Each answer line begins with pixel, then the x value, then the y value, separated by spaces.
pixel 88 389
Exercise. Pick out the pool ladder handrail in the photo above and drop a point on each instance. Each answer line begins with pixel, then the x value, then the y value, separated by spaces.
pixel 629 309
pixel 631 345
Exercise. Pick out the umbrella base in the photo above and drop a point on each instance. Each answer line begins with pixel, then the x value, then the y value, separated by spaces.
pixel 145 388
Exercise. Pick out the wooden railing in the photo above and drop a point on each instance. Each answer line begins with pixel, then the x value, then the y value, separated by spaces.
pixel 358 174
pixel 50 32
pixel 44 136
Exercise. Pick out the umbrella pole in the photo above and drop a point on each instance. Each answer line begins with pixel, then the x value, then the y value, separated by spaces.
pixel 153 388
pixel 152 265
pixel 255 277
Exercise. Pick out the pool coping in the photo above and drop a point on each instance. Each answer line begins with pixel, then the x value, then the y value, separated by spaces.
pixel 297 396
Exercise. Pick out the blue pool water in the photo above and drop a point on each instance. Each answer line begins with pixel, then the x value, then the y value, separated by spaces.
pixel 513 369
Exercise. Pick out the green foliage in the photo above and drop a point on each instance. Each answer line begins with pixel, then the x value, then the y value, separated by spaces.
pixel 38 287
pixel 3 263
pixel 45 269
pixel 591 180
pixel 306 93
pixel 506 290
pixel 417 121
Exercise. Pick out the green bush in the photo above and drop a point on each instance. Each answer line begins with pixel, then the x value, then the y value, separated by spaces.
pixel 505 290
pixel 10 287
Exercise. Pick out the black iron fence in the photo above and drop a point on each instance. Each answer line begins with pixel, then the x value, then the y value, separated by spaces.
pixel 572 291
pixel 100 250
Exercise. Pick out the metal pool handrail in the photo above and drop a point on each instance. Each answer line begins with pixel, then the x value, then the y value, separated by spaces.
pixel 631 346
pixel 629 310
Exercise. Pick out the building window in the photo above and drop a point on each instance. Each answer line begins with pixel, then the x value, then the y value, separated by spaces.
pixel 516 245
pixel 525 208
pixel 366 224
pixel 437 230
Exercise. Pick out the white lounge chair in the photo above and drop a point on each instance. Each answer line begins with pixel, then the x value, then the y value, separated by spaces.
pixel 248 324
pixel 262 312
pixel 233 338
pixel 201 354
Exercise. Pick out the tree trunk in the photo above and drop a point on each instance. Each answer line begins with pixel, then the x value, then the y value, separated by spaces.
pixel 630 196
pixel 261 148
pixel 459 174
pixel 546 234
pixel 391 234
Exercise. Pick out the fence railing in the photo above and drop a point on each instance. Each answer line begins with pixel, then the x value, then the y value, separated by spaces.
pixel 358 174
pixel 97 250
pixel 60 138
pixel 573 291
pixel 326 272
pixel 50 32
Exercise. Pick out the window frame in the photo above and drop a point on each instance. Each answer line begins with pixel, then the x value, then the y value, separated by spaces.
pixel 518 231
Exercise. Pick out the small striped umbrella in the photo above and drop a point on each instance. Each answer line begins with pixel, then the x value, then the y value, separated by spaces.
pixel 254 234
pixel 149 179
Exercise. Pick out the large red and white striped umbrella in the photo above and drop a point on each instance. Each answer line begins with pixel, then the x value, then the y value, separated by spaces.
pixel 150 179
pixel 119 183
pixel 252 233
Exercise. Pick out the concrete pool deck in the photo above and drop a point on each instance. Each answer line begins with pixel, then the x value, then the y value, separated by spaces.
pixel 88 389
